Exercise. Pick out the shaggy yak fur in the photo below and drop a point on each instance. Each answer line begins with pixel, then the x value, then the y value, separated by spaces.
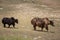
pixel 41 22
pixel 9 21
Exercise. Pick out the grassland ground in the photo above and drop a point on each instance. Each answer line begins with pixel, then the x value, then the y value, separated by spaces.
pixel 24 12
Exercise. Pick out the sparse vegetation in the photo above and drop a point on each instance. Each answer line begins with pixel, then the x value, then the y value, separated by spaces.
pixel 24 11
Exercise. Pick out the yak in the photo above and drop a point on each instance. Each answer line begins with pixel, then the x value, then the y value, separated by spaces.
pixel 41 22
pixel 9 21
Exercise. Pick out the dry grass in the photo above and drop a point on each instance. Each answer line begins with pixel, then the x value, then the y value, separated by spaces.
pixel 24 11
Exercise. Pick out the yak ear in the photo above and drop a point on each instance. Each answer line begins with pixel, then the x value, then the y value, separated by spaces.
pixel 12 18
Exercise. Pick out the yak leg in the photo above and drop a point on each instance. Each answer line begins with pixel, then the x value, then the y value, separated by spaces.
pixel 34 27
pixel 9 26
pixel 46 27
pixel 42 26
pixel 14 25
pixel 4 25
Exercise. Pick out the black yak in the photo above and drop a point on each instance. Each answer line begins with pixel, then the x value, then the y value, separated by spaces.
pixel 9 21
pixel 41 22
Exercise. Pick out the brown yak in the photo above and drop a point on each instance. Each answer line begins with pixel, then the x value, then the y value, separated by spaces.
pixel 41 22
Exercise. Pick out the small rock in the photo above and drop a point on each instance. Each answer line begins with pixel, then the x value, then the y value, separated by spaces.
pixel 35 38
pixel 39 37
pixel 1 8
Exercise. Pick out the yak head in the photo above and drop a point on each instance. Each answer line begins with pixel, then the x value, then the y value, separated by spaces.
pixel 52 23
pixel 16 20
